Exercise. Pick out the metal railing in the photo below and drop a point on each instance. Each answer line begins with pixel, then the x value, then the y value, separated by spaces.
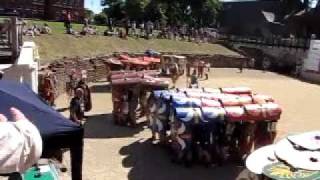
pixel 11 32
pixel 298 43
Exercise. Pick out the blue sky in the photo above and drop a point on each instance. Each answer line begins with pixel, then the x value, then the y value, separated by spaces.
pixel 94 5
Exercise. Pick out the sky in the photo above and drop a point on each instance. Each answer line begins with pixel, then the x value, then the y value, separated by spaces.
pixel 95 6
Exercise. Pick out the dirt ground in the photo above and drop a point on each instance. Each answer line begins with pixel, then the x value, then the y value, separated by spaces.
pixel 119 153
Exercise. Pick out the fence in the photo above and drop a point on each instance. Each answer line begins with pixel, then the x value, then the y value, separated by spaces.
pixel 298 43
pixel 11 31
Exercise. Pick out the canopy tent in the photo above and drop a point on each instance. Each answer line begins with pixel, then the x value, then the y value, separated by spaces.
pixel 56 131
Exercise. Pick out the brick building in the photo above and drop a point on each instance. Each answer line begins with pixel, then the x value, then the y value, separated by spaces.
pixel 45 9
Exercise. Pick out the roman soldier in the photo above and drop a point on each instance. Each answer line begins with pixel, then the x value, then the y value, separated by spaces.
pixel 48 89
pixel 87 95
pixel 117 100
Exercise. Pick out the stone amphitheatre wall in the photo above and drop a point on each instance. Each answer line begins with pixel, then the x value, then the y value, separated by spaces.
pixel 96 68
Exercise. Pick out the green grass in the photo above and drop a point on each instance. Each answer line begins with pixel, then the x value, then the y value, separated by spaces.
pixel 59 44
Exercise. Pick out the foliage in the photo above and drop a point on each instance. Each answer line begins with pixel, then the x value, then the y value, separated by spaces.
pixel 100 19
pixel 88 13
pixel 175 12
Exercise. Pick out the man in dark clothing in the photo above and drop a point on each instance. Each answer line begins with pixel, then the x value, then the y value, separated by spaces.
pixel 67 22
pixel 194 79
pixel 77 107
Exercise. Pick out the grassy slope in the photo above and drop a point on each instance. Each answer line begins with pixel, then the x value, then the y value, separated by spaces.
pixel 59 44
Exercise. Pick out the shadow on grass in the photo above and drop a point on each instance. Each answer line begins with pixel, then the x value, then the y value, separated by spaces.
pixel 147 161
pixel 102 126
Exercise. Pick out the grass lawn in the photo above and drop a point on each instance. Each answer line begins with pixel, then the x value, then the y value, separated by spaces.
pixel 59 44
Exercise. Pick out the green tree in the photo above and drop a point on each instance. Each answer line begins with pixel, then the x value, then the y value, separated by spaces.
pixel 135 9
pixel 115 9
pixel 156 11
pixel 200 12
pixel 100 19
pixel 88 13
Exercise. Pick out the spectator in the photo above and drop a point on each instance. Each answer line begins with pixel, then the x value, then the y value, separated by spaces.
pixel 28 32
pixel 36 30
pixel 20 142
pixel 46 29
pixel 77 107
pixel 110 24
pixel 142 26
pixel 127 26
pixel 134 28
pixel 86 22
pixel 67 22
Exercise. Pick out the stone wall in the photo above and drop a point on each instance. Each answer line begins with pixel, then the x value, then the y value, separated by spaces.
pixel 219 61
pixel 96 68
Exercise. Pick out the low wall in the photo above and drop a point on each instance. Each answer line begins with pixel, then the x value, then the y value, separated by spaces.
pixel 96 68
pixel 312 77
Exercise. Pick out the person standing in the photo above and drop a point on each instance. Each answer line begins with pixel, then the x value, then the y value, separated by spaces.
pixel 133 100
pixel 110 24
pixel 124 110
pixel 77 107
pixel 134 28
pixel 85 22
pixel 86 95
pixel 208 66
pixel 200 69
pixel 67 22
pixel 127 26
pixel 49 89
pixel 72 84
pixel 188 67
pixel 142 26
pixel 194 80
pixel 174 73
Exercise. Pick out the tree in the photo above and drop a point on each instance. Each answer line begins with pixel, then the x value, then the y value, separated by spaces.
pixel 100 19
pixel 88 13
pixel 115 9
pixel 201 12
pixel 155 11
pixel 135 9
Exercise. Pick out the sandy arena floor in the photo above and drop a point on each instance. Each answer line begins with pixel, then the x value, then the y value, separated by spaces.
pixel 119 153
